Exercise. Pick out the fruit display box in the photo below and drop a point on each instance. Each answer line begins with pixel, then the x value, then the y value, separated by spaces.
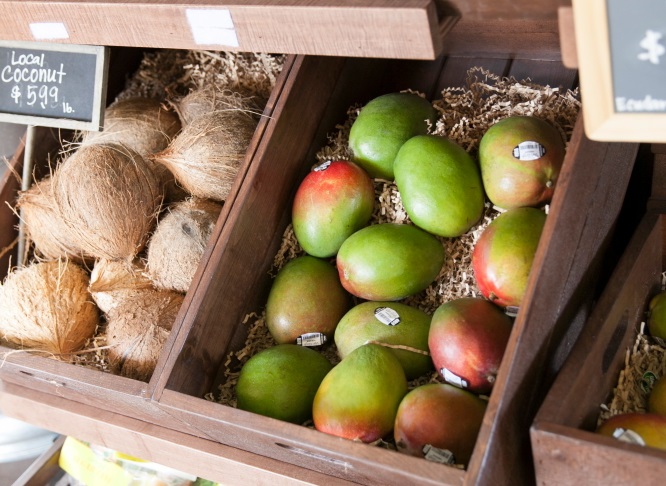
pixel 88 384
pixel 567 450
pixel 312 96
pixel 237 279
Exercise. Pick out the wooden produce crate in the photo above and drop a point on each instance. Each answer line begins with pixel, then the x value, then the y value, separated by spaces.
pixel 86 384
pixel 566 449
pixel 236 279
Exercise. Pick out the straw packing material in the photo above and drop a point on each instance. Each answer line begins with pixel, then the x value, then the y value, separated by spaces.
pixel 179 242
pixel 46 307
pixel 109 199
pixel 137 329
pixel 206 155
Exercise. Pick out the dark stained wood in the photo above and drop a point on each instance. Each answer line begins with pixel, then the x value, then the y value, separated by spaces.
pixel 183 452
pixel 573 457
pixel 592 369
pixel 550 73
pixel 504 38
pixel 492 11
pixel 658 192
pixel 564 266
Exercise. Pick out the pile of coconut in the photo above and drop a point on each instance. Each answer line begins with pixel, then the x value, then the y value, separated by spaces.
pixel 464 115
pixel 117 230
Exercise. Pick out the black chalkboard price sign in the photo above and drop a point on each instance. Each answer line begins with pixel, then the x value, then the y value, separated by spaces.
pixel 621 49
pixel 53 85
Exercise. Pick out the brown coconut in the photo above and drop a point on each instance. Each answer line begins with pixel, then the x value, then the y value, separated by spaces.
pixel 108 198
pixel 112 281
pixel 143 124
pixel 44 226
pixel 206 155
pixel 179 241
pixel 46 307
pixel 210 98
pixel 137 329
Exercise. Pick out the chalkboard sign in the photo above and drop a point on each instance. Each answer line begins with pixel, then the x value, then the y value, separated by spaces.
pixel 54 85
pixel 621 47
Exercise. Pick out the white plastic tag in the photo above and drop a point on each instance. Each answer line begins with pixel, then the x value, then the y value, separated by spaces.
pixel 322 166
pixel 212 26
pixel 49 30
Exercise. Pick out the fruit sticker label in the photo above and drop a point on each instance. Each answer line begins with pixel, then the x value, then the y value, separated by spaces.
pixel 321 167
pixel 387 316
pixel 529 150
pixel 511 310
pixel 311 339
pixel 442 456
pixel 628 435
pixel 454 379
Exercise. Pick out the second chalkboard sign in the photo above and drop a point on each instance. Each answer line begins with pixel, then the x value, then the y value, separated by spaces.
pixel 54 85
pixel 621 48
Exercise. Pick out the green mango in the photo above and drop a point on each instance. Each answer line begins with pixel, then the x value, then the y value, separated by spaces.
pixel 281 382
pixel 520 159
pixel 656 320
pixel 306 297
pixel 503 255
pixel 383 125
pixel 359 398
pixel 389 261
pixel 440 185
pixel 391 323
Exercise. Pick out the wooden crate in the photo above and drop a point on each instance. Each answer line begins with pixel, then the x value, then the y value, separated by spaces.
pixel 594 177
pixel 87 385
pixel 312 96
pixel 566 449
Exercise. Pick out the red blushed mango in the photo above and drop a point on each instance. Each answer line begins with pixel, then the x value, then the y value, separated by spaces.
pixel 305 297
pixel 520 159
pixel 467 340
pixel 389 261
pixel 358 399
pixel 333 201
pixel 503 255
pixel 647 429
pixel 442 416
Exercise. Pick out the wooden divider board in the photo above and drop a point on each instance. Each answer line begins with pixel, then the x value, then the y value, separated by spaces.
pixel 359 28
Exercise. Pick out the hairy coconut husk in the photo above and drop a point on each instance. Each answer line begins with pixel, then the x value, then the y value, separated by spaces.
pixel 46 307
pixel 137 329
pixel 143 124
pixel 210 98
pixel 44 226
pixel 206 155
pixel 113 281
pixel 176 247
pixel 109 199
pixel 146 126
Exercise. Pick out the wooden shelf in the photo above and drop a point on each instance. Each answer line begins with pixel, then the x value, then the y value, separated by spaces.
pixel 206 459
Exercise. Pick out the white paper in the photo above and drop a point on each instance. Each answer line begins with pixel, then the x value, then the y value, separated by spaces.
pixel 49 30
pixel 212 27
